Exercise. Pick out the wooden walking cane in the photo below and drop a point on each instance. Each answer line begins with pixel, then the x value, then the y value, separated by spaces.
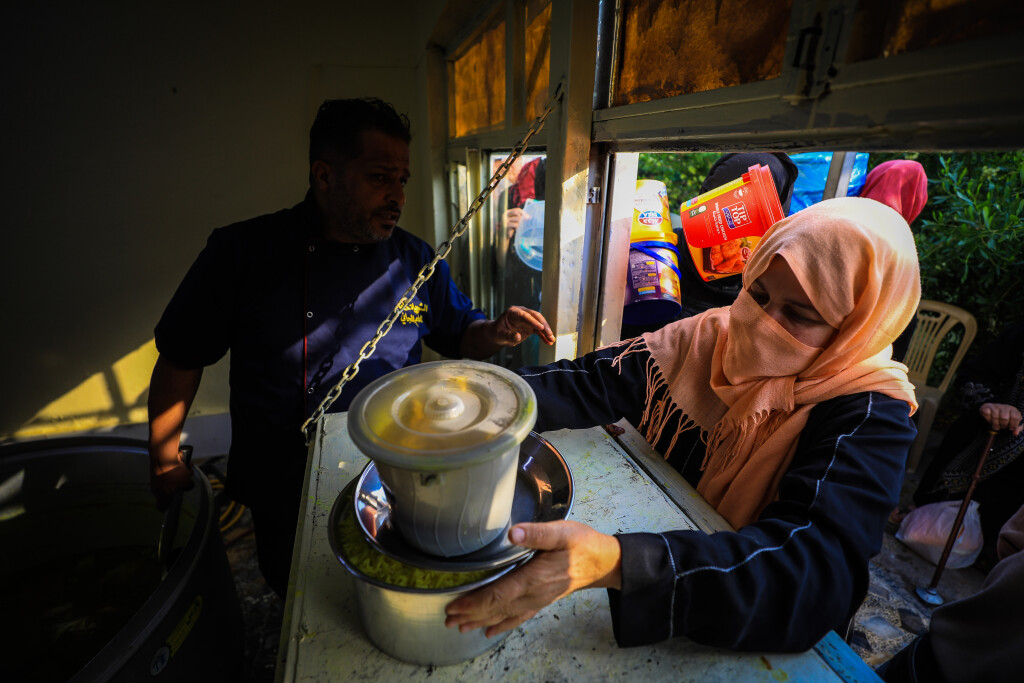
pixel 929 594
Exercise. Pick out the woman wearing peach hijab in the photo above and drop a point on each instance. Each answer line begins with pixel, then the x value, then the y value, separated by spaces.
pixel 787 413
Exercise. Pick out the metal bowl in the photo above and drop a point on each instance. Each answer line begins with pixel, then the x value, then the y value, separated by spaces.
pixel 544 493
pixel 404 622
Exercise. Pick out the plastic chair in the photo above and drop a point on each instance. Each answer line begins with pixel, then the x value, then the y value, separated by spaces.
pixel 935 320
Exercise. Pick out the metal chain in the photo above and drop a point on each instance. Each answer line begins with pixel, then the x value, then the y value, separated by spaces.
pixel 440 254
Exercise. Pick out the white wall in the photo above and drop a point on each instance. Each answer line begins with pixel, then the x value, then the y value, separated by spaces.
pixel 130 131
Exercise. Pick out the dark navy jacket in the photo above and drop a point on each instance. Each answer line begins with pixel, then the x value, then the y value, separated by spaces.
pixel 779 584
pixel 295 310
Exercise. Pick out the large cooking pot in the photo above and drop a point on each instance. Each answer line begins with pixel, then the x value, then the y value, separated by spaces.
pixel 445 438
pixel 407 621
pixel 83 594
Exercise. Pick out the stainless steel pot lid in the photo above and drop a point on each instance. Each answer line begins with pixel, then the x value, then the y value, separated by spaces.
pixel 442 415
pixel 544 493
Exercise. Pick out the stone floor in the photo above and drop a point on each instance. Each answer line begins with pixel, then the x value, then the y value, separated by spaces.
pixel 892 614
pixel 262 609
pixel 889 618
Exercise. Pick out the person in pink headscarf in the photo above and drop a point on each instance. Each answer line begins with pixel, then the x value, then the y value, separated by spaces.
pixel 901 184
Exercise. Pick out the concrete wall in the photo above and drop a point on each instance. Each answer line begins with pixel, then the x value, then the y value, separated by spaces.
pixel 130 131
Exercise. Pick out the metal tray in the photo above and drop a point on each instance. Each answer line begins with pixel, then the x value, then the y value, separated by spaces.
pixel 544 493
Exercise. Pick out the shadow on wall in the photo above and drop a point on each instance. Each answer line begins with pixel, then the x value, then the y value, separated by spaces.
pixel 114 396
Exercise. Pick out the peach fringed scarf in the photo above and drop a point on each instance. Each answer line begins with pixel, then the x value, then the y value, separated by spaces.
pixel 749 385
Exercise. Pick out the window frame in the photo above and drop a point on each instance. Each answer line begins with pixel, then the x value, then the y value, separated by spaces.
pixel 949 97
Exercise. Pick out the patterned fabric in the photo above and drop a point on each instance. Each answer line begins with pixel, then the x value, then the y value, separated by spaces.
pixel 956 478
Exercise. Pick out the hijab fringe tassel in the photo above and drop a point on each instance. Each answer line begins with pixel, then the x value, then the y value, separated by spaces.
pixel 658 413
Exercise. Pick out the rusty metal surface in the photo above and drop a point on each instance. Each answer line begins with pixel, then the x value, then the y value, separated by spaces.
pixel 676 48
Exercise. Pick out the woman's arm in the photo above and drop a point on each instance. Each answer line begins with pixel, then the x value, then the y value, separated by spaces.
pixel 778 585
pixel 589 391
pixel 781 583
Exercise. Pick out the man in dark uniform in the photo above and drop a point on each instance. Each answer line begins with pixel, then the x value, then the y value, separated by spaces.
pixel 294 295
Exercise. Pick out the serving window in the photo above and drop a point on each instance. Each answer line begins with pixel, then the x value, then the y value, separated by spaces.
pixel 689 78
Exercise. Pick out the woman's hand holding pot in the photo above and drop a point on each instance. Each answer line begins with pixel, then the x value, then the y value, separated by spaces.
pixel 571 556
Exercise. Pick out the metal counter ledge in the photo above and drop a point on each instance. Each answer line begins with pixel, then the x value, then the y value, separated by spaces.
pixel 620 485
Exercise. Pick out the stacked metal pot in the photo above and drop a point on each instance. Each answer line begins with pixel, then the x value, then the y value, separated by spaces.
pixel 453 464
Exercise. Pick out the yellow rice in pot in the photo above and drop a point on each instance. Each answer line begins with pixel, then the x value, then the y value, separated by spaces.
pixel 363 556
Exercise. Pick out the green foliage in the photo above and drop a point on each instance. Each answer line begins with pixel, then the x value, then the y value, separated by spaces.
pixel 970 236
pixel 681 173
pixel 973 237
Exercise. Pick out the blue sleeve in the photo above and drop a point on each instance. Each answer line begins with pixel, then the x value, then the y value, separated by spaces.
pixel 588 391
pixel 781 583
pixel 195 328
pixel 451 313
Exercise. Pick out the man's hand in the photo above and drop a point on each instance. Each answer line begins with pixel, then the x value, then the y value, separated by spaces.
pixel 572 556
pixel 517 323
pixel 483 338
pixel 166 479
pixel 1002 416
pixel 171 392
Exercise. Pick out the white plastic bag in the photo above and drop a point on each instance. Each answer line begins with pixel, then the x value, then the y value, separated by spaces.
pixel 926 530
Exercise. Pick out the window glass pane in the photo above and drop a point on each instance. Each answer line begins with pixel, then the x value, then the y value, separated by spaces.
pixel 883 28
pixel 517 208
pixel 478 97
pixel 458 189
pixel 538 56
pixel 688 46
